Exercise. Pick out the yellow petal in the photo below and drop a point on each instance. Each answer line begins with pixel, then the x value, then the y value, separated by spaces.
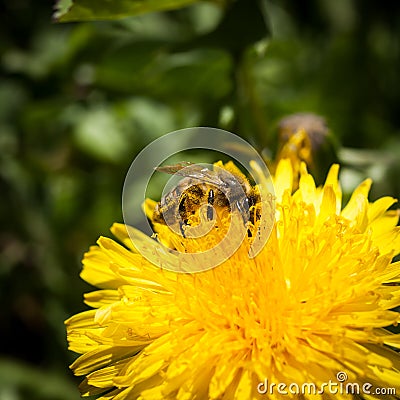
pixel 245 387
pixel 332 180
pixel 96 270
pixel 379 207
pixel 328 204
pixel 307 186
pixel 384 223
pixel 100 298
pixel 99 358
pixel 353 206
pixel 388 242
pixel 283 178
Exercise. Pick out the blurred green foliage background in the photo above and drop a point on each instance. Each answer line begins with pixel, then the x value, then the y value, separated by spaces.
pixel 79 100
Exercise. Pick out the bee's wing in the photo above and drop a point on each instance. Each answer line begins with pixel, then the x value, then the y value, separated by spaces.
pixel 195 171
pixel 174 169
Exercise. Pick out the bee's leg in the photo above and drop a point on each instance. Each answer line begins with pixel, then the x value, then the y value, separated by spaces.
pixel 182 210
pixel 182 206
pixel 210 200
pixel 181 229
pixel 252 216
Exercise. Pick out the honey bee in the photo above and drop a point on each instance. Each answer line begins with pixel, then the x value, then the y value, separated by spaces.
pixel 219 188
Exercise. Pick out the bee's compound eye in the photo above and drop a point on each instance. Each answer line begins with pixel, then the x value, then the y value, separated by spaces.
pixel 181 224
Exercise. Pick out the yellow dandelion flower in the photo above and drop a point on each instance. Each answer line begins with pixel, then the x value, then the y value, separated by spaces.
pixel 313 302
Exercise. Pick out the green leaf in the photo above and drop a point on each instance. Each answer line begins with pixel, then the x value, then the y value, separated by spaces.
pixel 99 133
pixel 88 10
pixel 192 75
